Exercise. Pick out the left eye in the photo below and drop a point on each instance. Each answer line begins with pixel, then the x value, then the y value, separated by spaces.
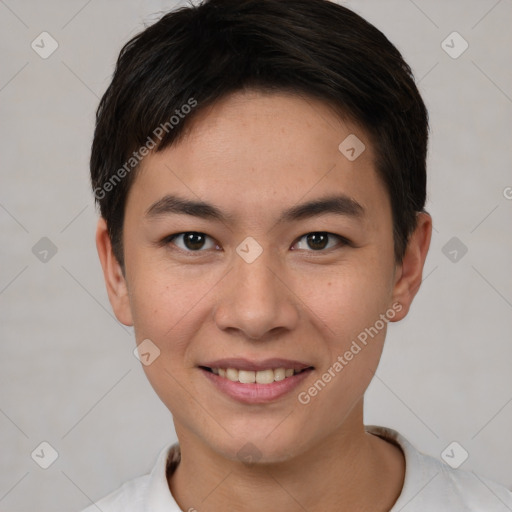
pixel 319 240
pixel 192 241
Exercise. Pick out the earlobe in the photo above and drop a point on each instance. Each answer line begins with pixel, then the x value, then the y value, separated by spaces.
pixel 409 274
pixel 114 279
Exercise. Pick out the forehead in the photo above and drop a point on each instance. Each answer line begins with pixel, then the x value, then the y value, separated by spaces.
pixel 253 148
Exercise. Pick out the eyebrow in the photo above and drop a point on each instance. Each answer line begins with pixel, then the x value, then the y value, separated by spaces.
pixel 337 204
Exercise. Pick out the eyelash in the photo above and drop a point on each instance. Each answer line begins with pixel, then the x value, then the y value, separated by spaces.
pixel 344 241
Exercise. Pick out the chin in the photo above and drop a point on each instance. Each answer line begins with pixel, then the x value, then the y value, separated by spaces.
pixel 260 447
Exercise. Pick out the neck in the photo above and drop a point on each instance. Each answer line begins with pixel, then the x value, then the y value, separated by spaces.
pixel 349 470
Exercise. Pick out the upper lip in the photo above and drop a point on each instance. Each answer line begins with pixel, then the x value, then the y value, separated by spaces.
pixel 265 364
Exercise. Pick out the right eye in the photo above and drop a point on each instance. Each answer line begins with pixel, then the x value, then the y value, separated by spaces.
pixel 190 241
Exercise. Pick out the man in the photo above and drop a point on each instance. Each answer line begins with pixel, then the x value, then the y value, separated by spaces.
pixel 260 171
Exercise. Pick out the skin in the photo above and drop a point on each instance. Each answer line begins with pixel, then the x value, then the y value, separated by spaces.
pixel 253 155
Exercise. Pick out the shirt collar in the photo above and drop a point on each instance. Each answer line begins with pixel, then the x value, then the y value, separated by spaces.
pixel 159 497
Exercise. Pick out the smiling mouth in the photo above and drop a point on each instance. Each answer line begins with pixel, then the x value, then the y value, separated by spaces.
pixel 267 376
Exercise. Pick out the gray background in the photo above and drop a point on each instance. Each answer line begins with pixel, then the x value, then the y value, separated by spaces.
pixel 68 374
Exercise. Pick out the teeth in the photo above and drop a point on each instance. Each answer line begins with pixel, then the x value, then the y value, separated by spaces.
pixel 251 377
pixel 232 374
pixel 246 376
pixel 279 374
pixel 265 376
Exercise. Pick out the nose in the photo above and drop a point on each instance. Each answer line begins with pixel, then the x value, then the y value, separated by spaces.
pixel 256 300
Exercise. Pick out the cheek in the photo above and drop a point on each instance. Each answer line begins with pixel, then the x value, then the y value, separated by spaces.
pixel 357 309
pixel 169 305
pixel 154 306
pixel 350 298
pixel 165 310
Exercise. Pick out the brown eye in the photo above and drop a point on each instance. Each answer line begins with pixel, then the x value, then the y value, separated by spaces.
pixel 191 241
pixel 319 240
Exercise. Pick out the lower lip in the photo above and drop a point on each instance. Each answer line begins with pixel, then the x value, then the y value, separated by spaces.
pixel 256 393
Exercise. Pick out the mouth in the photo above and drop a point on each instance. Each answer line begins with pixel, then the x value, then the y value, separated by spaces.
pixel 267 376
pixel 255 382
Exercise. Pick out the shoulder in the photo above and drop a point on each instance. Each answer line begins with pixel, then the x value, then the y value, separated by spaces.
pixel 127 498
pixel 145 492
pixel 431 484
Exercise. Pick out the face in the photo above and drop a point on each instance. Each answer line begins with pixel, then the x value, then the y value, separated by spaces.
pixel 281 272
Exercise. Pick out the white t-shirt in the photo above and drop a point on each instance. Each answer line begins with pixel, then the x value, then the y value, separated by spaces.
pixel 430 485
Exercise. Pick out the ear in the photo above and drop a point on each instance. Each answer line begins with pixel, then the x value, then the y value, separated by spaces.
pixel 408 274
pixel 113 275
